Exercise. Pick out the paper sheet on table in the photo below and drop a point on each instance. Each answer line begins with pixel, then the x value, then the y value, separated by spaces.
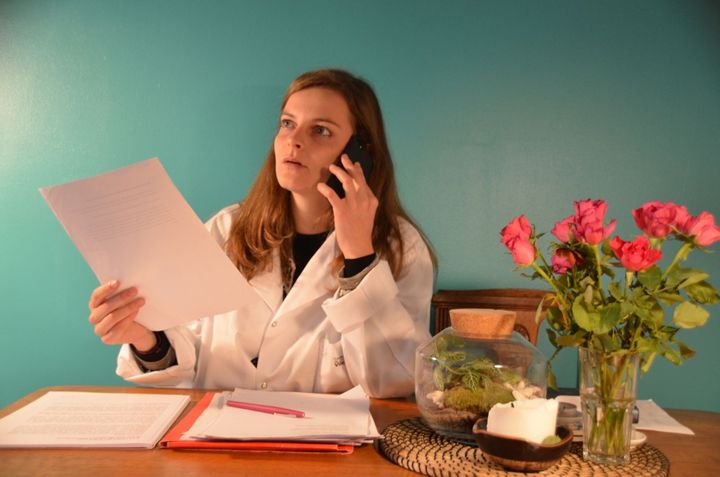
pixel 78 419
pixel 652 416
pixel 132 224
pixel 328 418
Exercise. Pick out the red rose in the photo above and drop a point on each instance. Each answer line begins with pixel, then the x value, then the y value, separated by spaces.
pixel 636 255
pixel 564 260
pixel 657 219
pixel 588 221
pixel 702 228
pixel 563 229
pixel 516 237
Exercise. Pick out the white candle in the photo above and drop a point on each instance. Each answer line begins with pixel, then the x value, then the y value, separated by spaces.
pixel 531 419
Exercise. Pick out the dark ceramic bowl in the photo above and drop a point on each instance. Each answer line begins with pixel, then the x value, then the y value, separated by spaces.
pixel 519 454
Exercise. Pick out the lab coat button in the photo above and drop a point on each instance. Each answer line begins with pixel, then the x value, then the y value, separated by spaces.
pixel 263 386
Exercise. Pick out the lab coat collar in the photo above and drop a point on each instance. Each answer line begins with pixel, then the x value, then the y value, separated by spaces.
pixel 268 283
pixel 315 279
pixel 313 282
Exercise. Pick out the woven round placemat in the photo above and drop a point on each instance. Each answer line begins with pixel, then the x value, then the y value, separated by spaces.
pixel 413 445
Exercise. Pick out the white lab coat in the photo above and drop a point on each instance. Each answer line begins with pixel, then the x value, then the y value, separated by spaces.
pixel 311 341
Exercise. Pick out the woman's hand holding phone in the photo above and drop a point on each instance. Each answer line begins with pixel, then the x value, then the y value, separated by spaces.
pixel 112 314
pixel 355 214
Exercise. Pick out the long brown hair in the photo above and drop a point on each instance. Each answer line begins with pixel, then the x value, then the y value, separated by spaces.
pixel 264 220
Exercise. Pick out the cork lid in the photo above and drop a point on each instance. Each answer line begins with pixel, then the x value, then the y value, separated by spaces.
pixel 482 323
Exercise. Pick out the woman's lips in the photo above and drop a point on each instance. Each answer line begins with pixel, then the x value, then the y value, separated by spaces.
pixel 292 162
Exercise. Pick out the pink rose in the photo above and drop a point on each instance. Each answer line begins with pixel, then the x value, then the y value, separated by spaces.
pixel 588 206
pixel 702 228
pixel 682 216
pixel 657 219
pixel 563 229
pixel 516 237
pixel 519 227
pixel 636 255
pixel 588 220
pixel 523 252
pixel 564 260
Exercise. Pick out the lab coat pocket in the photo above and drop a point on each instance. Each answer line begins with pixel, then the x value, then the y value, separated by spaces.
pixel 332 374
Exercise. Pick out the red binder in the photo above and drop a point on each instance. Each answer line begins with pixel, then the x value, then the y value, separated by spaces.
pixel 173 439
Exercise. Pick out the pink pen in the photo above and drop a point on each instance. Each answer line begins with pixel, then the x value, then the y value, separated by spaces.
pixel 250 406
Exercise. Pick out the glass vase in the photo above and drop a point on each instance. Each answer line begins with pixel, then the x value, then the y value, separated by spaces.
pixel 608 384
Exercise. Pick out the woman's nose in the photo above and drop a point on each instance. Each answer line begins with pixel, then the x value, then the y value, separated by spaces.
pixel 295 139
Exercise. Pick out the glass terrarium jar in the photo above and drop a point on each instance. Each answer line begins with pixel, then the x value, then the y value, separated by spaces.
pixel 475 363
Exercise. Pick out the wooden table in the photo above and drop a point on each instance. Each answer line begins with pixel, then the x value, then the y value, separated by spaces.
pixel 692 456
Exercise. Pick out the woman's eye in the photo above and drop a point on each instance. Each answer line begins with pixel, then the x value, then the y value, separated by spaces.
pixel 285 123
pixel 322 131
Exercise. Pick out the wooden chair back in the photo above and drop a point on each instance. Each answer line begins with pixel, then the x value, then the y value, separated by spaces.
pixel 522 301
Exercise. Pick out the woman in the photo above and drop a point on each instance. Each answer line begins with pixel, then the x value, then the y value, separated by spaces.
pixel 346 283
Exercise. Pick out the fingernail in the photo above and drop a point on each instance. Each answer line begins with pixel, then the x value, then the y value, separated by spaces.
pixel 114 283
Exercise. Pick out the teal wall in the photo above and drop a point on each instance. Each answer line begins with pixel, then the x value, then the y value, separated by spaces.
pixel 493 109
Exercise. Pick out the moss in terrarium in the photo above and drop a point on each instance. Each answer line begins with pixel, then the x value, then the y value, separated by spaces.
pixel 479 400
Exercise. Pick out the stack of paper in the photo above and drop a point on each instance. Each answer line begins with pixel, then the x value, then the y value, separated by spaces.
pixel 77 419
pixel 339 420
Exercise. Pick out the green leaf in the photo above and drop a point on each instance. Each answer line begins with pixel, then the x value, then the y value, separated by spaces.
pixel 690 315
pixel 651 311
pixel 609 317
pixel 588 295
pixel 609 343
pixel 696 277
pixel 554 317
pixel 647 345
pixel 615 289
pixel 585 282
pixel 647 362
pixel 441 345
pixel 627 309
pixel 680 277
pixel 672 356
pixel 703 292
pixel 438 378
pixel 670 298
pixel 585 319
pixel 552 337
pixel 596 321
pixel 651 277
pixel 539 310
pixel 550 376
pixel 674 277
pixel 471 381
pixel 575 339
pixel 685 351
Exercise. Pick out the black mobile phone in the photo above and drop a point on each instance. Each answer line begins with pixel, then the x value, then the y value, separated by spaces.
pixel 357 153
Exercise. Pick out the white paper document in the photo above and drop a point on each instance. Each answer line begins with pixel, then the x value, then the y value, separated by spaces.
pixel 328 418
pixel 132 224
pixel 652 416
pixel 77 419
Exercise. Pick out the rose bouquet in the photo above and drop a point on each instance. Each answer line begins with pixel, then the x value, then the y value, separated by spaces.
pixel 610 298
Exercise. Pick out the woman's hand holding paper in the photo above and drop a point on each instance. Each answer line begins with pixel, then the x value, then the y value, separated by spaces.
pixel 113 312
